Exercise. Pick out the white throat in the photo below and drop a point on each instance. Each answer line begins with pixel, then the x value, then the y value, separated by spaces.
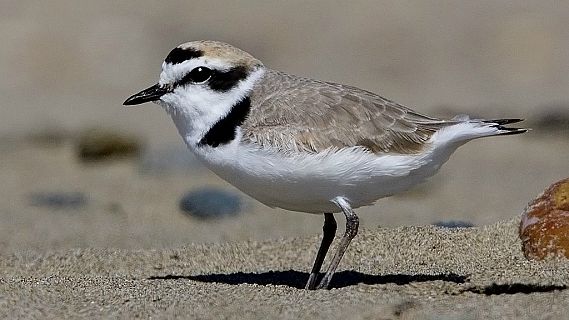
pixel 195 109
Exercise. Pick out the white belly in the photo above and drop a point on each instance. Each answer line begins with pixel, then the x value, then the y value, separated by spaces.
pixel 308 182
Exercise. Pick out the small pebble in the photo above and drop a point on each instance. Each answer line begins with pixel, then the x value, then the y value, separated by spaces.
pixel 100 145
pixel 453 224
pixel 211 203
pixel 58 200
pixel 544 228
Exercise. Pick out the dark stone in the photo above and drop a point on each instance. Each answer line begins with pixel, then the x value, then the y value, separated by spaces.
pixel 211 203
pixel 58 200
pixel 451 224
pixel 100 145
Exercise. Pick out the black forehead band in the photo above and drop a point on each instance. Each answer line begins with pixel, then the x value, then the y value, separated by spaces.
pixel 179 55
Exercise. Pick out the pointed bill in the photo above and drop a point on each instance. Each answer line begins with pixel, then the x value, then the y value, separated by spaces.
pixel 147 95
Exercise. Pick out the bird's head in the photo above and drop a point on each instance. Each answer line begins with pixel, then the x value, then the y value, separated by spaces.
pixel 202 77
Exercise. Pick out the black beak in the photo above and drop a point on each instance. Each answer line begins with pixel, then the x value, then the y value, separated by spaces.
pixel 147 95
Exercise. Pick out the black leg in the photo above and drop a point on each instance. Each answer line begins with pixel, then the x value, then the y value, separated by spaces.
pixel 329 231
pixel 352 223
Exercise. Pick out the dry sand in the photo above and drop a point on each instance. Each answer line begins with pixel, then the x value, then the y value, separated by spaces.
pixel 404 272
pixel 68 65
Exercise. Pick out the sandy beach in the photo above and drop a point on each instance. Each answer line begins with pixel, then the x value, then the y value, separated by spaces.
pixel 389 273
pixel 127 251
pixel 109 238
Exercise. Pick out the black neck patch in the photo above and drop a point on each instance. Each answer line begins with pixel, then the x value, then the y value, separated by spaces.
pixel 179 55
pixel 224 130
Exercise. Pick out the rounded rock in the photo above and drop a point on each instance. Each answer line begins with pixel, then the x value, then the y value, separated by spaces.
pixel 211 203
pixel 100 145
pixel 544 228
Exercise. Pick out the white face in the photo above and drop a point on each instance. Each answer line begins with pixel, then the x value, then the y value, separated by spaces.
pixel 198 91
pixel 203 90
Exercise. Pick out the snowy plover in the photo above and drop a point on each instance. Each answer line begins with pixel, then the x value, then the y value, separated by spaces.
pixel 302 144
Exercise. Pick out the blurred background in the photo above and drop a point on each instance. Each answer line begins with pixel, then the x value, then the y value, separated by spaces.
pixel 79 170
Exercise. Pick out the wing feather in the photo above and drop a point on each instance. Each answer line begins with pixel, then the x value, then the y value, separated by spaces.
pixel 298 114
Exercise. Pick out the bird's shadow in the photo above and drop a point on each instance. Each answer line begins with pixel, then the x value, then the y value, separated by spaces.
pixel 297 279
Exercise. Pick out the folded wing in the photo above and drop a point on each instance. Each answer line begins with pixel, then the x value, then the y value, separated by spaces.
pixel 298 114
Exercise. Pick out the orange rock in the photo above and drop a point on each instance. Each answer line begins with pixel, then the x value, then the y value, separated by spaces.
pixel 544 229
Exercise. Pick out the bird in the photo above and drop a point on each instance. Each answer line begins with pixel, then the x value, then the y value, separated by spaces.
pixel 302 144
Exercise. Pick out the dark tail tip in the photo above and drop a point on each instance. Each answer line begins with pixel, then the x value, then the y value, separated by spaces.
pixel 499 124
pixel 503 121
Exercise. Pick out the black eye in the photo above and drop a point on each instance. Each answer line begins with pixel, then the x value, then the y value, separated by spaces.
pixel 199 75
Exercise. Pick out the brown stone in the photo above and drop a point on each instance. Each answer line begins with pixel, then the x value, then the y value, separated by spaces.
pixel 544 229
pixel 101 145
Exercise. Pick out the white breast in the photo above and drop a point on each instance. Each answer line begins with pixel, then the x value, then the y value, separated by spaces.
pixel 308 182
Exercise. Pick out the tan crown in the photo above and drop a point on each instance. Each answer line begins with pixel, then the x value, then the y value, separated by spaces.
pixel 223 51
